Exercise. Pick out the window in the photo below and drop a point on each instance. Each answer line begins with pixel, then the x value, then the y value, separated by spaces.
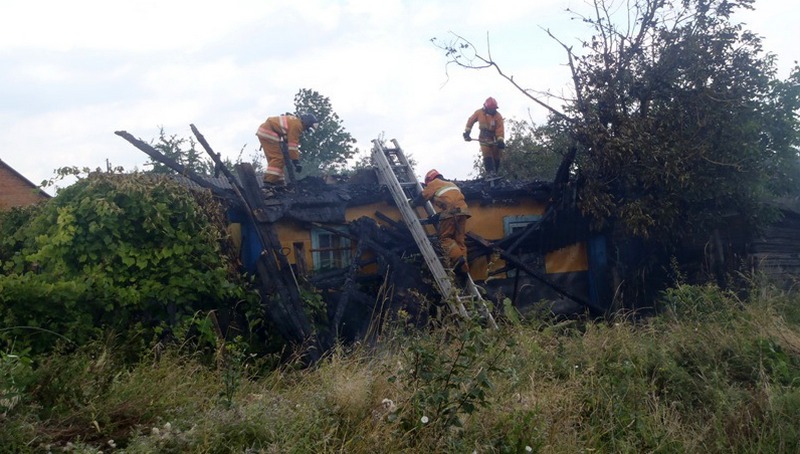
pixel 329 250
pixel 513 224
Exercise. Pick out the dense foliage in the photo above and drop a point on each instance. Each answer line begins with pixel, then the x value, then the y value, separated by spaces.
pixel 681 130
pixel 681 119
pixel 136 254
pixel 713 374
pixel 532 152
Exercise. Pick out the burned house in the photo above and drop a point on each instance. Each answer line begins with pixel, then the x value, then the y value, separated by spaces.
pixel 349 242
pixel 350 237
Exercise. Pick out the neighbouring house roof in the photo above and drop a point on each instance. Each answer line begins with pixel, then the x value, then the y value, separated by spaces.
pixel 23 192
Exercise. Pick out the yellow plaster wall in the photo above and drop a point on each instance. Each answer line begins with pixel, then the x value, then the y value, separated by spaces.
pixel 486 221
pixel 567 260
pixel 290 232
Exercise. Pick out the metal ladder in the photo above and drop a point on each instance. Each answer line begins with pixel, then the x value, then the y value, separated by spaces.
pixel 396 173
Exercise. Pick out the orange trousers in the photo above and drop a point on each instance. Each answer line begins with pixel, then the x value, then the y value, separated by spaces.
pixel 453 236
pixel 275 161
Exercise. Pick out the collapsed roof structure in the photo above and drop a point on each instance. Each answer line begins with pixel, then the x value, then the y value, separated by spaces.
pixel 346 240
pixel 382 265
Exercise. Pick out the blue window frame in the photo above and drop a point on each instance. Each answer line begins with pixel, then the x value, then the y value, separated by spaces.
pixel 513 224
pixel 329 250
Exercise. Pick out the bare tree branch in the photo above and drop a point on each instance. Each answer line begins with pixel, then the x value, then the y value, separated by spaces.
pixel 455 51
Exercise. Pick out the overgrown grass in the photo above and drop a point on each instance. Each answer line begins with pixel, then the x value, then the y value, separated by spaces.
pixel 712 374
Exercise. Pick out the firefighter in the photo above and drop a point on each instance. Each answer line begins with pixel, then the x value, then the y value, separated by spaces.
pixel 491 135
pixel 276 130
pixel 453 215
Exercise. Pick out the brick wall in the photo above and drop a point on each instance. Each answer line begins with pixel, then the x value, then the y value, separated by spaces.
pixel 15 190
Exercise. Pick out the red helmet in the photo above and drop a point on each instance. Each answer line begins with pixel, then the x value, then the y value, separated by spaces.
pixel 431 175
pixel 490 103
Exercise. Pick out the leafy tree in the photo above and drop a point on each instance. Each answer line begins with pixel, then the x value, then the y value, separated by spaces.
pixel 183 151
pixel 679 122
pixel 680 119
pixel 138 254
pixel 328 148
pixel 531 153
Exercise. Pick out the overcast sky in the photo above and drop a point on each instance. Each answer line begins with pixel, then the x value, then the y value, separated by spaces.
pixel 73 72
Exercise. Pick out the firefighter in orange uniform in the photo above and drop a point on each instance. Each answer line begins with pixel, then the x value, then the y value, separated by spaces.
pixel 274 131
pixel 491 134
pixel 453 215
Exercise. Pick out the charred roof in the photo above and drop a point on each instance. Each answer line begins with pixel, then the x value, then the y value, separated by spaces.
pixel 313 199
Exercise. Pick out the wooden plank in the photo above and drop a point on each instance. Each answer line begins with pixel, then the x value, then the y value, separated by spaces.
pixel 174 165
pixel 521 265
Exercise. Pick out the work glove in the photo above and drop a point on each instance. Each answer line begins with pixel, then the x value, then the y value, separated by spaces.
pixel 500 144
pixel 297 167
pixel 467 138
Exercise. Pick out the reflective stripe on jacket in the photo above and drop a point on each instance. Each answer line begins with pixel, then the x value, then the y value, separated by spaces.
pixel 447 197
pixel 491 127
pixel 282 128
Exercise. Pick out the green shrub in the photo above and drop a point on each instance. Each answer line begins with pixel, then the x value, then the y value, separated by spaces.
pixel 137 254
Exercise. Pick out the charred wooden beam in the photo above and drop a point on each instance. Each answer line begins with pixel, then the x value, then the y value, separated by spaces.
pixel 521 265
pixel 280 272
pixel 347 289
pixel 174 165
pixel 279 286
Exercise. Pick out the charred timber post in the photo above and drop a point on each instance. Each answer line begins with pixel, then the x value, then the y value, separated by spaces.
pixel 281 270
pixel 517 262
pixel 172 164
pixel 287 308
pixel 347 289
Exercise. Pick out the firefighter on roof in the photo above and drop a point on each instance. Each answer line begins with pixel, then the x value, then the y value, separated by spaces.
pixel 491 134
pixel 273 133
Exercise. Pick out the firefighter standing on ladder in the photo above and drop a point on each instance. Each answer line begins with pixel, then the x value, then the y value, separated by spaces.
pixel 447 197
pixel 491 135
pixel 276 130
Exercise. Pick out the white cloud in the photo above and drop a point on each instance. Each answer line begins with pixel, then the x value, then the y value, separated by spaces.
pixel 74 72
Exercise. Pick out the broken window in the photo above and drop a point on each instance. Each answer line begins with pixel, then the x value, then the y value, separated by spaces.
pixel 329 250
pixel 512 224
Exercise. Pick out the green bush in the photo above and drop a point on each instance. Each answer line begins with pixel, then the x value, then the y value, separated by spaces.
pixel 137 254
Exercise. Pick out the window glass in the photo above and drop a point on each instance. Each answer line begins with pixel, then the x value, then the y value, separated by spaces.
pixel 329 250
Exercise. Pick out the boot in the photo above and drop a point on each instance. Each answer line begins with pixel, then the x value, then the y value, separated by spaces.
pixel 488 166
pixel 460 272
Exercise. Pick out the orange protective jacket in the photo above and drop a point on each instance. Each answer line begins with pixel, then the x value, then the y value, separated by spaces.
pixel 447 197
pixel 287 127
pixel 490 127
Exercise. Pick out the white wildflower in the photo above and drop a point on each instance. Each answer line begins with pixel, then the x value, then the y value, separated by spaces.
pixel 388 405
pixel 112 444
pixel 528 449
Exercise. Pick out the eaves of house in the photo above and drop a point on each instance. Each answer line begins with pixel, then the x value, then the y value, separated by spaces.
pixel 16 190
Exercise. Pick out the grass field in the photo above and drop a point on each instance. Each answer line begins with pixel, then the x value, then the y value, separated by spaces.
pixel 712 374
